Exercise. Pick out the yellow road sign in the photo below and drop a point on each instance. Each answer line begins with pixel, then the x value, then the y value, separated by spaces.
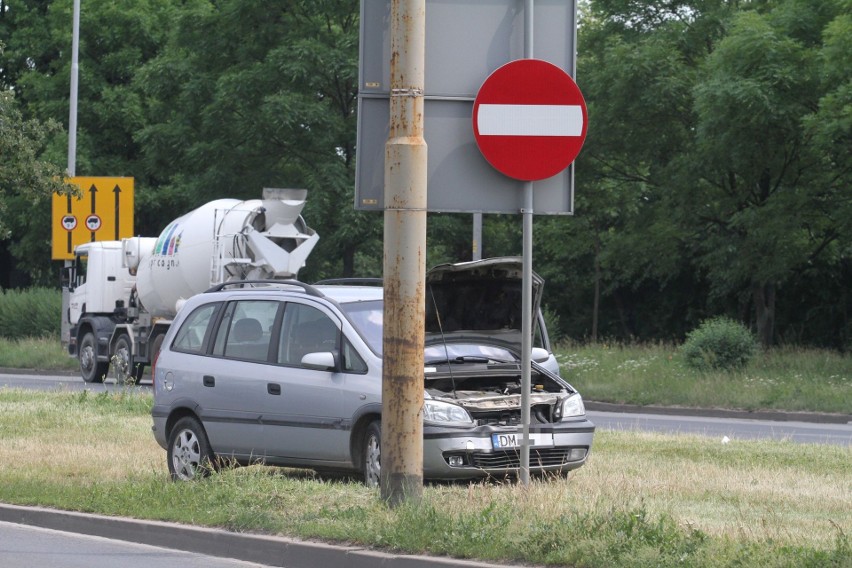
pixel 103 213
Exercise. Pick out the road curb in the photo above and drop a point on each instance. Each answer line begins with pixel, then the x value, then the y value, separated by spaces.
pixel 261 549
pixel 773 415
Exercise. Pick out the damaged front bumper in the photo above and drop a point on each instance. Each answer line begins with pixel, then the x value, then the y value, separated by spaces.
pixel 494 451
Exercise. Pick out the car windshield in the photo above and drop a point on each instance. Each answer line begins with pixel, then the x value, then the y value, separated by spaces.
pixel 459 352
pixel 367 319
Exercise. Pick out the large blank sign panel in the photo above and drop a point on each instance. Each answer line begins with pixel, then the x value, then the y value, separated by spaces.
pixel 465 42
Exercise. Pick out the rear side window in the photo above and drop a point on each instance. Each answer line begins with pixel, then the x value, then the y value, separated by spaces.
pixel 194 333
pixel 246 330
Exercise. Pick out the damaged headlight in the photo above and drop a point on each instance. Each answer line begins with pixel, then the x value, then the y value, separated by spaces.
pixel 440 412
pixel 571 406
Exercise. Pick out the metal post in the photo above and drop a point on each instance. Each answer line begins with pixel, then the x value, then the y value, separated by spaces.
pixel 477 236
pixel 526 297
pixel 404 260
pixel 75 71
pixel 65 326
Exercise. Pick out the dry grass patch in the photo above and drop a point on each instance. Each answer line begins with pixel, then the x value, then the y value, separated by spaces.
pixel 642 500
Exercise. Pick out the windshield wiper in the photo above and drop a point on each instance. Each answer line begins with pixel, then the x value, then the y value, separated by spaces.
pixel 467 359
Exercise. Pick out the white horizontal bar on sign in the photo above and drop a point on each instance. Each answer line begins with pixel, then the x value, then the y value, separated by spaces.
pixel 530 120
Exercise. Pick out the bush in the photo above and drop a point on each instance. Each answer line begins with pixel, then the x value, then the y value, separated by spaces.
pixel 35 312
pixel 719 343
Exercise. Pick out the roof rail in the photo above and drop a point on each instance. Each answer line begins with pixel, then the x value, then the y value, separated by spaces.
pixel 310 290
pixel 349 282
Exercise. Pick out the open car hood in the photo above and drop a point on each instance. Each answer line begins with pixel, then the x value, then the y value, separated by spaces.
pixel 478 302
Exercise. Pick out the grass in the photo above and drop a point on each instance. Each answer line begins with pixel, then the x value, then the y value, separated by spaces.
pixel 41 353
pixel 642 500
pixel 781 379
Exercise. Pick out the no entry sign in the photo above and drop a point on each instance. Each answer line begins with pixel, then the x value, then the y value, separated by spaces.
pixel 529 119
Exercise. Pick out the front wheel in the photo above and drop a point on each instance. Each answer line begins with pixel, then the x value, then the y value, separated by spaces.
pixel 189 454
pixel 373 454
pixel 91 369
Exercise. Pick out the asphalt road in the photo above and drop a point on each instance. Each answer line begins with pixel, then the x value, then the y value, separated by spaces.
pixel 24 546
pixel 728 428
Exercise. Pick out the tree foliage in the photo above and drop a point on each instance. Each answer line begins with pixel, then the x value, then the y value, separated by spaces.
pixel 715 179
pixel 27 179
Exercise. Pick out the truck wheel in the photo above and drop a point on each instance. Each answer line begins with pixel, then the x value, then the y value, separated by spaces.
pixel 93 371
pixel 372 463
pixel 126 372
pixel 189 454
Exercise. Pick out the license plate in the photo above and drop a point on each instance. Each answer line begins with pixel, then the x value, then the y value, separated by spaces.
pixel 514 439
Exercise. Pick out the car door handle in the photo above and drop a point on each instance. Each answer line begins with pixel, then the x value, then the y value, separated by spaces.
pixel 209 381
pixel 273 388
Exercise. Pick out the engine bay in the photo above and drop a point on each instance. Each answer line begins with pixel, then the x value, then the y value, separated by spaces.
pixel 497 399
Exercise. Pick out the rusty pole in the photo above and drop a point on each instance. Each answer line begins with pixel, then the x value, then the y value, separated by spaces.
pixel 404 260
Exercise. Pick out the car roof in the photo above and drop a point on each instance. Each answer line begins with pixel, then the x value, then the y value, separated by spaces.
pixel 343 294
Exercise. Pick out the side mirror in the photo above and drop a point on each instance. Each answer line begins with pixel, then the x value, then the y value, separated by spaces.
pixel 539 354
pixel 319 361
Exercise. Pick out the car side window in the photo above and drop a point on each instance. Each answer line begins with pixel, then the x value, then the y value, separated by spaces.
pixel 193 335
pixel 351 360
pixel 247 332
pixel 305 330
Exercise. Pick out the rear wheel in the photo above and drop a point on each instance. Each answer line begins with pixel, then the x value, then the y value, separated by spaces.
pixel 91 369
pixel 372 463
pixel 122 360
pixel 189 454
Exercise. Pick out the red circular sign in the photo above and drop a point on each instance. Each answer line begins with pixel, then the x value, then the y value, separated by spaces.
pixel 93 222
pixel 529 119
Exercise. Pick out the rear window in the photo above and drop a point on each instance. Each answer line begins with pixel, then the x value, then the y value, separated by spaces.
pixel 194 332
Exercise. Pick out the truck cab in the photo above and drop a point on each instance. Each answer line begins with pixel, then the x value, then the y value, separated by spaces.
pixel 97 281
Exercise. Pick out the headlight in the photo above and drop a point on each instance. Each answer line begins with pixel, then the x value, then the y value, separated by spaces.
pixel 572 406
pixel 445 413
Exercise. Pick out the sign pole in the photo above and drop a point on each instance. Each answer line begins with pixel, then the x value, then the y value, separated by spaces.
pixel 64 326
pixel 526 283
pixel 404 267
pixel 75 71
pixel 476 245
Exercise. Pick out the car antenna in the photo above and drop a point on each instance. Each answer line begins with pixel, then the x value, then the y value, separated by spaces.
pixel 444 342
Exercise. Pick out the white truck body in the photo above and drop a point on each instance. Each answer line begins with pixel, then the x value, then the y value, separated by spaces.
pixel 122 295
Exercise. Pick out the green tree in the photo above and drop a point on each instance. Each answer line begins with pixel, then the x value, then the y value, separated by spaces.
pixel 27 179
pixel 720 128
pixel 248 95
pixel 763 210
pixel 116 38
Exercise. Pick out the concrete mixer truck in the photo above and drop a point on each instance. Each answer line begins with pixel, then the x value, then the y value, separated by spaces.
pixel 119 297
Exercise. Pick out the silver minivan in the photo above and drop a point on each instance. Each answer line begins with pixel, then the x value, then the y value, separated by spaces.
pixel 290 374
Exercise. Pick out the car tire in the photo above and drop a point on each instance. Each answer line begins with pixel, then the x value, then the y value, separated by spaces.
pixel 91 369
pixel 189 455
pixel 372 454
